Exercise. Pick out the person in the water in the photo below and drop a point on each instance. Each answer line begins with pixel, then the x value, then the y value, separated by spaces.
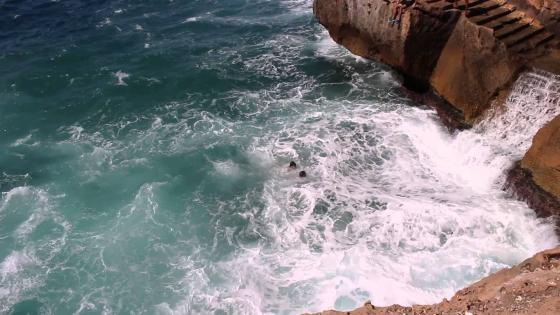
pixel 302 174
pixel 292 166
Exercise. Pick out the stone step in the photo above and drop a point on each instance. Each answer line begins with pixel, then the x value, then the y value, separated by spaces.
pixel 537 41
pixel 493 15
pixel 505 20
pixel 510 26
pixel 482 7
pixel 523 36
pixel 511 29
pixel 472 4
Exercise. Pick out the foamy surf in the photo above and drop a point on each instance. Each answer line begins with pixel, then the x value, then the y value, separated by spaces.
pixel 173 194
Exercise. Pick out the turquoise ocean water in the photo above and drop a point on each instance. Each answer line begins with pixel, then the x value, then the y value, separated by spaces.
pixel 143 167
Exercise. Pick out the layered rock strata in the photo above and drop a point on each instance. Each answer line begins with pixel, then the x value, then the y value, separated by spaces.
pixel 532 287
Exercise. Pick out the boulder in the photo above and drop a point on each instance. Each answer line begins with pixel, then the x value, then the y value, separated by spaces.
pixel 473 68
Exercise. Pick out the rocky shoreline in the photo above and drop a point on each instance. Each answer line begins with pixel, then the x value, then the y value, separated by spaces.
pixel 532 287
pixel 462 65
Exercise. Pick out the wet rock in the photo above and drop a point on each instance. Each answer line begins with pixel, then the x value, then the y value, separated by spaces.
pixel 543 158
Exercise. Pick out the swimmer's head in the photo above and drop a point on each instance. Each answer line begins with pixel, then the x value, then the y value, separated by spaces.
pixel 302 174
pixel 293 165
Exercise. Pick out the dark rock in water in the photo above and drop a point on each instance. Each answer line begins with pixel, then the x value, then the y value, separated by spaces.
pixel 536 179
pixel 520 181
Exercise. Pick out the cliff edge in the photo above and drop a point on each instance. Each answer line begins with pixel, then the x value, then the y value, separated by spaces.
pixel 532 287
pixel 469 59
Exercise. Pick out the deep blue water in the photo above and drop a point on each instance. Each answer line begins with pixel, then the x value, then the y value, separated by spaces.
pixel 143 154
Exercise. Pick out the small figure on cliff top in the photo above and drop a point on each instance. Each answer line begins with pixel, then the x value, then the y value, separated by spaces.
pixel 398 9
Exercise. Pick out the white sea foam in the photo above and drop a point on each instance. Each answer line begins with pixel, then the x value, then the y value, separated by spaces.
pixel 395 210
pixel 24 270
pixel 120 76
pixel 192 19
pixel 25 141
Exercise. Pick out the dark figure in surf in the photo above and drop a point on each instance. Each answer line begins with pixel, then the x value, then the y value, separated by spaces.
pixel 302 174
pixel 399 6
pixel 292 166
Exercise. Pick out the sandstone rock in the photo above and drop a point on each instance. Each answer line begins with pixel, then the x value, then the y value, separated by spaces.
pixel 543 158
pixel 413 47
pixel 468 61
pixel 472 68
pixel 546 11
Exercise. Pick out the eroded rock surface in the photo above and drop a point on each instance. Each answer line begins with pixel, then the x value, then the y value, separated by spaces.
pixel 536 179
pixel 467 59
pixel 532 287
pixel 546 11
pixel 543 158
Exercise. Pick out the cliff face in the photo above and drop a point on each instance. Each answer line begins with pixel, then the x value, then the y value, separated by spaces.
pixel 543 158
pixel 466 59
pixel 536 178
pixel 532 287
pixel 362 27
pixel 469 60
pixel 473 67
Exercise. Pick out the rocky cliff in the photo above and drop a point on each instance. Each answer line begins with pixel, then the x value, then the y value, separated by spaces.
pixel 468 59
pixel 532 287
